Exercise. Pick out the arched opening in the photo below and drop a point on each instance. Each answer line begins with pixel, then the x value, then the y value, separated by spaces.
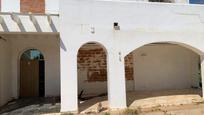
pixel 162 74
pixel 32 74
pixel 92 78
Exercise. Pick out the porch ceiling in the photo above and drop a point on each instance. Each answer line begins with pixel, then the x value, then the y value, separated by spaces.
pixel 28 23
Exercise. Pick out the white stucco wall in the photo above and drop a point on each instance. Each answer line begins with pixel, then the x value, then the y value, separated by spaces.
pixel 52 6
pixel 49 46
pixel 140 23
pixel 10 5
pixel 5 71
pixel 161 67
pixel 90 88
pixel 94 88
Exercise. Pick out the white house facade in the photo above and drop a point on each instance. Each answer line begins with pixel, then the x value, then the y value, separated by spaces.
pixel 96 47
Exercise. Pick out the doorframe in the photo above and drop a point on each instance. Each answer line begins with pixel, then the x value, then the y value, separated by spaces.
pixel 18 68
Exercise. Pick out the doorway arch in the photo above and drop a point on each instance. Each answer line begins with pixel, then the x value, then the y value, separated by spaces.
pixel 32 74
pixel 163 69
pixel 92 76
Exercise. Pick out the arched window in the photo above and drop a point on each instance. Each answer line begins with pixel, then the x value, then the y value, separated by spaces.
pixel 32 54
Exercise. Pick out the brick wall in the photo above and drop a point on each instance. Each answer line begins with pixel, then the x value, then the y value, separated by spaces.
pixel 34 6
pixel 92 59
pixel 129 67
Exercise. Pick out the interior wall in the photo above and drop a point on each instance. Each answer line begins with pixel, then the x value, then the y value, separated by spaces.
pixel 49 46
pixel 166 66
pixel 5 71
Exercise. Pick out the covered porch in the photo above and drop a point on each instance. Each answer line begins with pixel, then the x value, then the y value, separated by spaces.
pixel 27 45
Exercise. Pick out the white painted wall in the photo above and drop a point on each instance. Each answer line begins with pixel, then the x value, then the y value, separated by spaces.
pixel 52 6
pixel 140 23
pixel 90 88
pixel 94 88
pixel 161 67
pixel 10 5
pixel 5 72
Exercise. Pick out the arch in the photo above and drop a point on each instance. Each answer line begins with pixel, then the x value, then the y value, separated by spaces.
pixel 28 48
pixel 186 45
pixel 96 42
pixel 92 72
pixel 32 54
pixel 32 73
pixel 152 66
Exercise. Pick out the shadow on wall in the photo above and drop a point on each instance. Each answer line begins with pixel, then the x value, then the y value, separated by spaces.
pixel 62 45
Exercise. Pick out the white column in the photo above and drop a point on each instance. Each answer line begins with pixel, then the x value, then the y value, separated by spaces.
pixel 68 62
pixel 202 72
pixel 116 81
pixel 1 79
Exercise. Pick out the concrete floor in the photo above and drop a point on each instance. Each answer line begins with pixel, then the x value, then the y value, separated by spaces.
pixel 136 99
pixel 30 106
pixel 148 99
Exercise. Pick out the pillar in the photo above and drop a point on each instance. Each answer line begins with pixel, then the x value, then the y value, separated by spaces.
pixel 202 73
pixel 68 64
pixel 116 80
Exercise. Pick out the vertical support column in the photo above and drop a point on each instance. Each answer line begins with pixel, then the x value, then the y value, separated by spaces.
pixel 202 73
pixel 1 80
pixel 68 64
pixel 116 81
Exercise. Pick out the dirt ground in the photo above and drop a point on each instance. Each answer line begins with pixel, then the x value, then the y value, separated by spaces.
pixel 171 102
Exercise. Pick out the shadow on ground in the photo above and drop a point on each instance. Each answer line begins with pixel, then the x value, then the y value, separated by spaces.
pixel 29 106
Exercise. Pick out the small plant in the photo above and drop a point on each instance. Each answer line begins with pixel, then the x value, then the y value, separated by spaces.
pixel 131 112
pixel 156 108
pixel 67 113
pixel 106 113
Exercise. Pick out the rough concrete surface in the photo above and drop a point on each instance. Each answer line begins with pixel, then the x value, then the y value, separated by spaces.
pixel 171 102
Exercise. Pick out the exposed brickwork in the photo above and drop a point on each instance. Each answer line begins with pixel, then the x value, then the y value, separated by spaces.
pixel 93 59
pixel 129 67
pixel 34 6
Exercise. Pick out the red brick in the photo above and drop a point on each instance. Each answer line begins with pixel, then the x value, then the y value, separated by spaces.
pixel 94 60
pixel 34 6
pixel 129 67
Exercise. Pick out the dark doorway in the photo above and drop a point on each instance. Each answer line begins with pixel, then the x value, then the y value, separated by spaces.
pixel 32 74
